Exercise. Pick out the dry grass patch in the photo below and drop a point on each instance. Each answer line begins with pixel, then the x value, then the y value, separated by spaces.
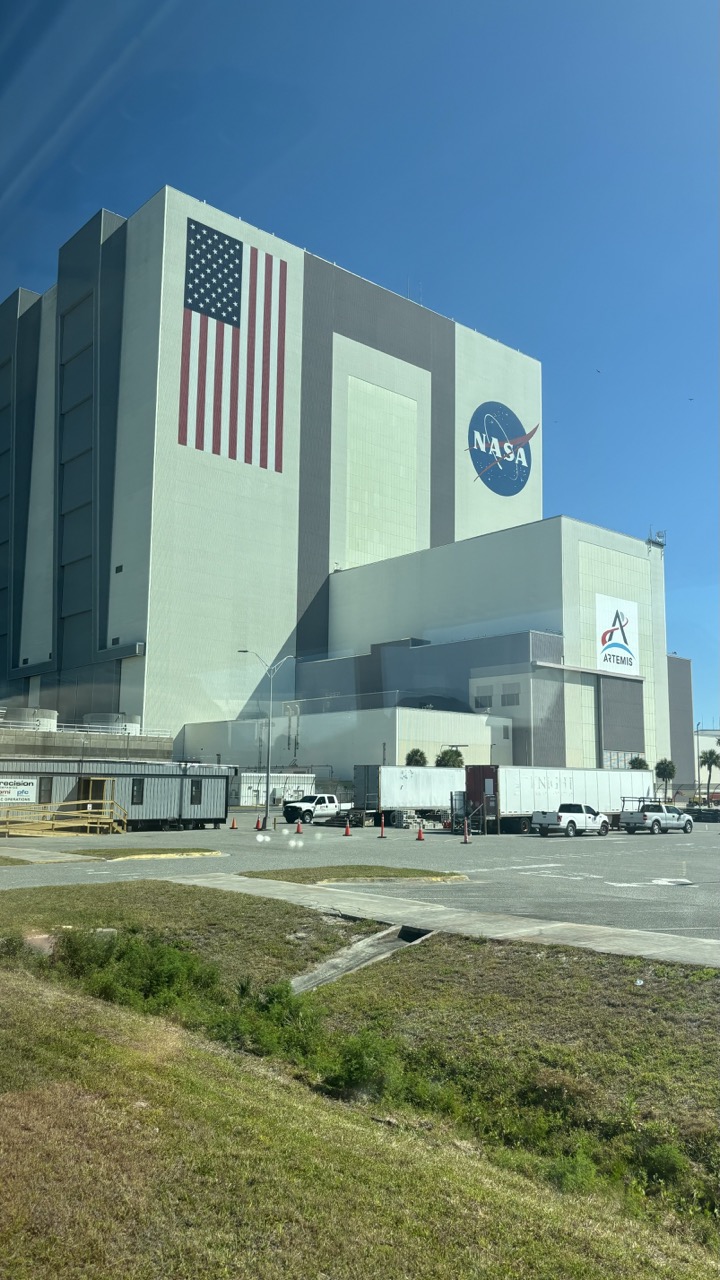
pixel 342 874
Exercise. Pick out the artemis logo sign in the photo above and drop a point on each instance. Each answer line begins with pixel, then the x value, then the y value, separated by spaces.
pixel 617 635
pixel 499 448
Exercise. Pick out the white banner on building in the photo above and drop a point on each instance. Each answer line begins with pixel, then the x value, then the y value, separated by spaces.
pixel 617 636
pixel 18 790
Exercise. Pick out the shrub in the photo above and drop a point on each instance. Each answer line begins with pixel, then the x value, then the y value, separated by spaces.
pixel 11 946
pixel 575 1172
pixel 664 1162
pixel 366 1062
pixel 127 968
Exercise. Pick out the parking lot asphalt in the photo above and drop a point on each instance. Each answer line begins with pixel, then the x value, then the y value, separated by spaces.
pixel 653 884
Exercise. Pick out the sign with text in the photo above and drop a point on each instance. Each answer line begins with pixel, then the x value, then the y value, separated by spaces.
pixel 617 636
pixel 18 790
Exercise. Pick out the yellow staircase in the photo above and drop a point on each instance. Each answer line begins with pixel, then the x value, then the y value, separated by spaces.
pixel 71 817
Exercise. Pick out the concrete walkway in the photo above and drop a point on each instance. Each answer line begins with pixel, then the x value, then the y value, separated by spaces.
pixel 50 853
pixel 353 902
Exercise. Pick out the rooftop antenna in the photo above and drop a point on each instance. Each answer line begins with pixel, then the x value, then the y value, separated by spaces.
pixel 658 539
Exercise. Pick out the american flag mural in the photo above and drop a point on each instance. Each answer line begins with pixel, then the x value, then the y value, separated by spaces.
pixel 232 373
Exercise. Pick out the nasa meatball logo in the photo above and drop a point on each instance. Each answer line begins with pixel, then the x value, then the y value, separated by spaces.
pixel 499 447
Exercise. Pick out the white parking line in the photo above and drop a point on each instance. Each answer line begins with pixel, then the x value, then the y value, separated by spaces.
pixel 525 866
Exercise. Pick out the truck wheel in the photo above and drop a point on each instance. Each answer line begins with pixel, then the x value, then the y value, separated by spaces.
pixel 604 828
pixel 307 816
pixel 570 829
pixel 544 831
pixel 655 828
pixel 524 825
pixel 688 828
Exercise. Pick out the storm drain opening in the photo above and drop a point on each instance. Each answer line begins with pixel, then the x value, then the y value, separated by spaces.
pixel 408 933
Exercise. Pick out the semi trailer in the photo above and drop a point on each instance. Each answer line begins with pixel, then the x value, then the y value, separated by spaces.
pixel 391 792
pixel 503 798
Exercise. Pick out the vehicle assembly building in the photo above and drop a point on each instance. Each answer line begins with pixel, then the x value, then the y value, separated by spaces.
pixel 212 441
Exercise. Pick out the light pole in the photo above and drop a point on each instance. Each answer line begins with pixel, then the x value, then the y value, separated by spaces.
pixel 697 740
pixel 271 670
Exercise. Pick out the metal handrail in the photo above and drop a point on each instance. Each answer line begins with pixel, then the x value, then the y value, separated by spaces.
pixel 84 728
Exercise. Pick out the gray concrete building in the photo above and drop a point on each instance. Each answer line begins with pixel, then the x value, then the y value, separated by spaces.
pixel 212 441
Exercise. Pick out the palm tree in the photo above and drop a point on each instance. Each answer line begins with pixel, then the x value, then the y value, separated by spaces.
pixel 416 756
pixel 710 760
pixel 638 762
pixel 450 758
pixel 665 772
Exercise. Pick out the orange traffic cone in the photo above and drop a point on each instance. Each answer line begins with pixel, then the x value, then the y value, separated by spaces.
pixel 382 835
pixel 298 829
pixel 233 825
pixel 347 831
pixel 258 824
pixel 420 834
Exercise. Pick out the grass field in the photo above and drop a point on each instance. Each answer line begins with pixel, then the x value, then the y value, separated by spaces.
pixel 246 937
pixel 132 1151
pixel 574 1093
pixel 12 862
pixel 331 875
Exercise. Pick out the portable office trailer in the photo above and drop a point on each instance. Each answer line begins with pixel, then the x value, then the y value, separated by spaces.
pixel 155 796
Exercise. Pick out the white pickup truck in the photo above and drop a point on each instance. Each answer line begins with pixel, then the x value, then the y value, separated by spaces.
pixel 571 820
pixel 308 808
pixel 654 817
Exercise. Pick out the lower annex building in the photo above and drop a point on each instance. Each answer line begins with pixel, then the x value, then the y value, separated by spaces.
pixel 211 440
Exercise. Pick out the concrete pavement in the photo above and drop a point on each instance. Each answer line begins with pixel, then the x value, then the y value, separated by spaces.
pixel 638 896
pixel 351 901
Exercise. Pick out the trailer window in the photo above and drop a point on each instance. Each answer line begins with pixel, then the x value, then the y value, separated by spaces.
pixel 138 791
pixel 45 790
pixel 196 791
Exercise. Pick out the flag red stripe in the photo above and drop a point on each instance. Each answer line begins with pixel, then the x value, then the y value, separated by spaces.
pixel 265 399
pixel 234 377
pixel 184 378
pixel 201 378
pixel 280 393
pixel 217 390
pixel 250 380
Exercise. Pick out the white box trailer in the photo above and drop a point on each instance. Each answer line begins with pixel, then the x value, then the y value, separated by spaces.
pixel 393 789
pixel 512 793
pixel 155 795
pixel 247 787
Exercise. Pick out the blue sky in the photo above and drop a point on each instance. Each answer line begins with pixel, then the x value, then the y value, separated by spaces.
pixel 545 173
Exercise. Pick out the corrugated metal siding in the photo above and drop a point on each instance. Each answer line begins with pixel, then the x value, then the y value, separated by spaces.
pixel 166 793
pixel 546 647
pixel 623 723
pixel 548 719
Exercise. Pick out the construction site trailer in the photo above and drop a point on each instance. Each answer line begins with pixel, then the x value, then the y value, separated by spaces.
pixel 154 795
